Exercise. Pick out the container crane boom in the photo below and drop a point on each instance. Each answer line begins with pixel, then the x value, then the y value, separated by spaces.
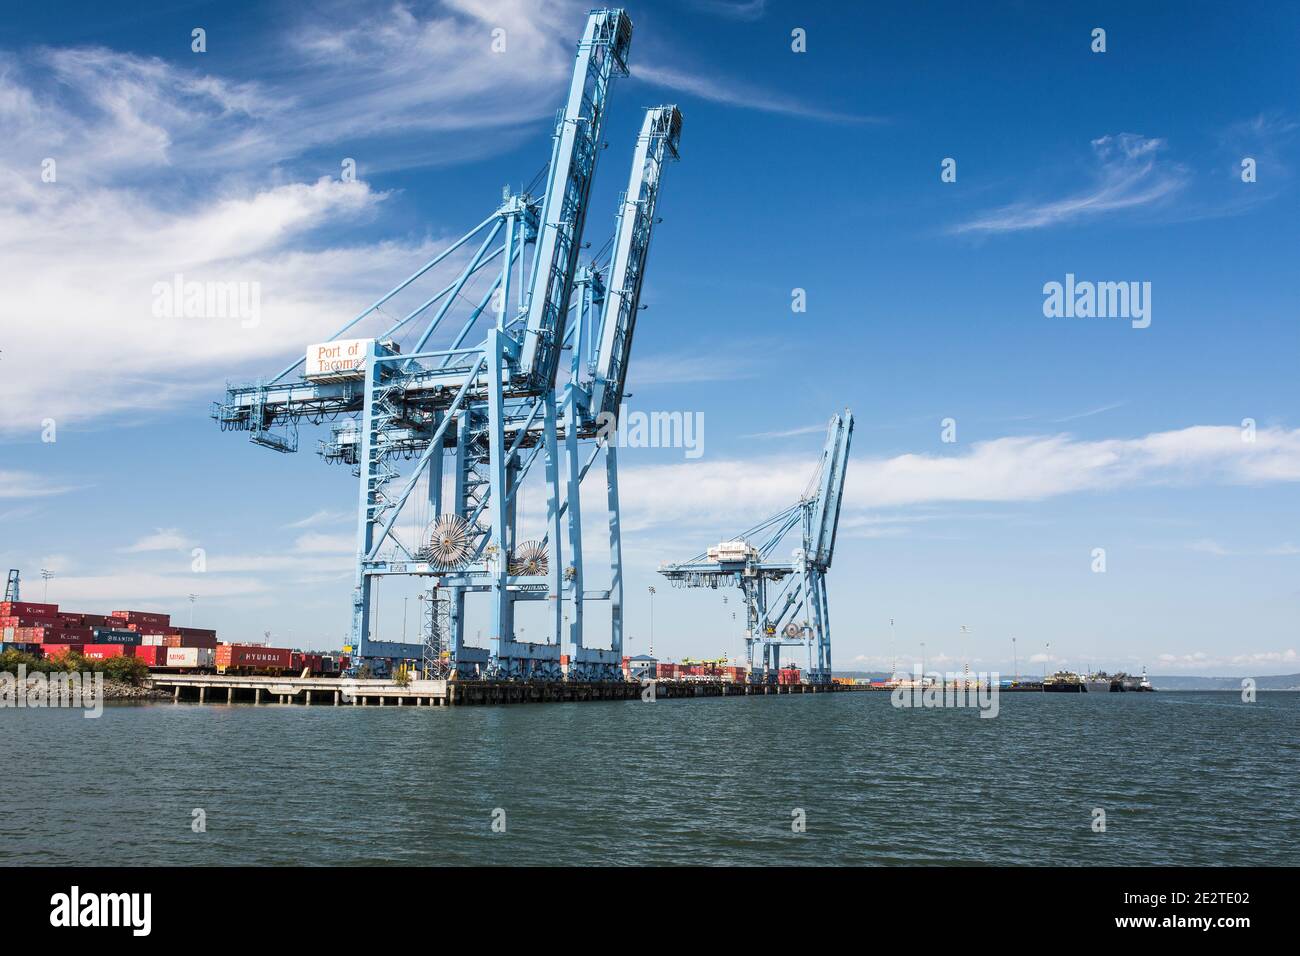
pixel 826 515
pixel 659 140
pixel 602 54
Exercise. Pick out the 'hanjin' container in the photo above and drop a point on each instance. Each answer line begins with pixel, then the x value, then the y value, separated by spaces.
pixel 111 635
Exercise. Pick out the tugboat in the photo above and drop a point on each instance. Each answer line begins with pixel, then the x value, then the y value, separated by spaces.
pixel 1127 682
pixel 1064 682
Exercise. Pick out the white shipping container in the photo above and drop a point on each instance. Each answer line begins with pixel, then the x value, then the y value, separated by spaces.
pixel 343 359
pixel 191 657
pixel 151 640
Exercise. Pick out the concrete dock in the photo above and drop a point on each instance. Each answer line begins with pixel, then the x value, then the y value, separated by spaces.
pixel 335 691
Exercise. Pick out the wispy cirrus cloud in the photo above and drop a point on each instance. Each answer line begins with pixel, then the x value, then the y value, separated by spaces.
pixel 28 484
pixel 163 539
pixel 1210 546
pixel 1129 174
pixel 731 92
pixel 1099 410
pixel 817 429
pixel 731 9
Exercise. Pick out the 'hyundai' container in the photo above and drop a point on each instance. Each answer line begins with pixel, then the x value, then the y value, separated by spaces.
pixel 253 657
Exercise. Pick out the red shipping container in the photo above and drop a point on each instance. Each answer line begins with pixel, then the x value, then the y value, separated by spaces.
pixel 192 632
pixel 152 656
pixel 52 635
pixel 57 650
pixel 8 608
pixel 102 652
pixel 101 620
pixel 144 617
pixel 254 657
pixel 185 640
pixel 28 620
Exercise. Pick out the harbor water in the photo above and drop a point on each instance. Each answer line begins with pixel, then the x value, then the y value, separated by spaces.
pixel 1182 778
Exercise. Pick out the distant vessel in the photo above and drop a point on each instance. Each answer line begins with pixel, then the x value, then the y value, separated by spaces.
pixel 1099 684
pixel 1064 682
pixel 1127 682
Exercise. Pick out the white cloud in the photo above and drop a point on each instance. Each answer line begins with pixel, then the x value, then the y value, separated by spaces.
pixel 682 368
pixel 316 543
pixel 732 9
pixel 322 517
pixel 731 92
pixel 26 484
pixel 817 429
pixel 164 170
pixel 731 494
pixel 1208 546
pixel 163 539
pixel 1129 174
pixel 144 590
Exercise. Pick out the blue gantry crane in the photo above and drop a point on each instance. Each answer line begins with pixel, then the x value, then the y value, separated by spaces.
pixel 477 398
pixel 797 614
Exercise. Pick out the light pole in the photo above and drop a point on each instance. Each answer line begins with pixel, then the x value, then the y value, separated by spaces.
pixel 923 663
pixel 965 665
pixel 1015 661
pixel 46 573
pixel 652 621
pixel 1047 657
pixel 193 598
pixel 893 650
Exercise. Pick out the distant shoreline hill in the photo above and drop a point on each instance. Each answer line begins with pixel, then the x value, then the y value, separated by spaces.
pixel 1186 682
pixel 1167 682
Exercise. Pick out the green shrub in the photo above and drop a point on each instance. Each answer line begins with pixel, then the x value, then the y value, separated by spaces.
pixel 118 668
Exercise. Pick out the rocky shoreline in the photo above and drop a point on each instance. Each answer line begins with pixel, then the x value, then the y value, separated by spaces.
pixel 122 690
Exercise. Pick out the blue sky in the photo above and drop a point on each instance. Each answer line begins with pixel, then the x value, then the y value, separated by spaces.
pixel 816 170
